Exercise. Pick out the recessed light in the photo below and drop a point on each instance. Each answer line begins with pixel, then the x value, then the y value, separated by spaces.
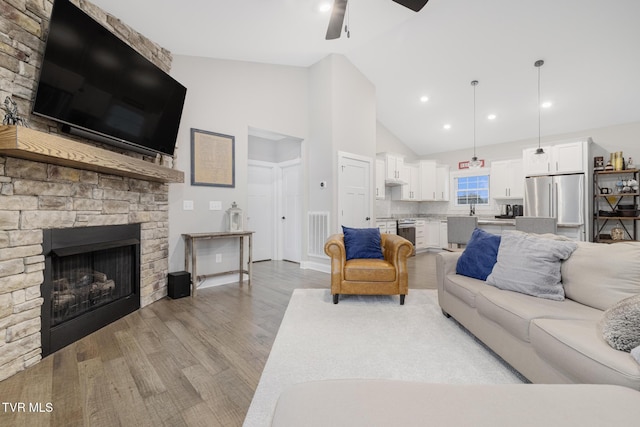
pixel 546 104
pixel 424 98
pixel 324 7
pixel 447 126
pixel 491 116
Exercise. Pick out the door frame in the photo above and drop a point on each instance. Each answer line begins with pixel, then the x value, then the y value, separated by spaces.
pixel 342 155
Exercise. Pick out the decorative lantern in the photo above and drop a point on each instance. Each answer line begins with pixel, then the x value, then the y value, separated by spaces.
pixel 235 217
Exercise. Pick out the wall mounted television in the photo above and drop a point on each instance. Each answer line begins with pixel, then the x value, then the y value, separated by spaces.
pixel 95 84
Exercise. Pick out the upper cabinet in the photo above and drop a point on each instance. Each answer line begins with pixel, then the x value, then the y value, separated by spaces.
pixel 434 181
pixel 507 179
pixel 380 178
pixel 393 167
pixel 442 182
pixel 561 158
pixel 428 178
pixel 411 190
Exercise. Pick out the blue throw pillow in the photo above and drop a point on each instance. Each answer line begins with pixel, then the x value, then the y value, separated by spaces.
pixel 362 243
pixel 479 256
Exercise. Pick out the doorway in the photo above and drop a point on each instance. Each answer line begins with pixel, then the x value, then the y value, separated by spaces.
pixel 274 209
pixel 355 202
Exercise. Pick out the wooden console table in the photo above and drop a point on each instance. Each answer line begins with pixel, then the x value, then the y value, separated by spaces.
pixel 190 255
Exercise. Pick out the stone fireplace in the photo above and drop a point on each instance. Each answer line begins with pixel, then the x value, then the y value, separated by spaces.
pixel 37 197
pixel 91 278
pixel 38 194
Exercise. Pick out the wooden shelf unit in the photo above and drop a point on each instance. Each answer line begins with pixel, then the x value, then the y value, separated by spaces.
pixel 612 202
pixel 25 143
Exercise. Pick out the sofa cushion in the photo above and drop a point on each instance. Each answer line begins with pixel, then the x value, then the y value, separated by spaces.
pixel 369 270
pixel 530 264
pixel 620 324
pixel 362 243
pixel 600 275
pixel 463 287
pixel 479 255
pixel 514 311
pixel 576 348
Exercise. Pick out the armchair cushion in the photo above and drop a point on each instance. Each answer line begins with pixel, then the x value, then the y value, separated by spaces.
pixel 362 243
pixel 369 270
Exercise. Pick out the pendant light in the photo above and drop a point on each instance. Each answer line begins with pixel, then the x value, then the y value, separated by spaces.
pixel 539 63
pixel 474 162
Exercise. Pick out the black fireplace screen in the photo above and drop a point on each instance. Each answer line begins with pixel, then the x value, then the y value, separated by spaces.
pixel 91 278
pixel 86 281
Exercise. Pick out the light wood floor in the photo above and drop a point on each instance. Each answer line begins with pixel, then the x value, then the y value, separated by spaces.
pixel 186 362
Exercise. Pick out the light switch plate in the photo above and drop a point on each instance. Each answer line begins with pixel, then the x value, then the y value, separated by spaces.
pixel 215 205
pixel 187 205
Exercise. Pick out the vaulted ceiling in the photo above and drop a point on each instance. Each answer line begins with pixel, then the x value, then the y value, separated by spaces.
pixel 591 50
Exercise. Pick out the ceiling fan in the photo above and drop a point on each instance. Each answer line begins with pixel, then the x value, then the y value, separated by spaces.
pixel 340 7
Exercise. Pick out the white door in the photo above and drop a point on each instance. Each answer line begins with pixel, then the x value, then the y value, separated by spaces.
pixel 291 213
pixel 260 212
pixel 354 192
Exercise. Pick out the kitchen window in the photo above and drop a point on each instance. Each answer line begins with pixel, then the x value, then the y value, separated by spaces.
pixel 472 189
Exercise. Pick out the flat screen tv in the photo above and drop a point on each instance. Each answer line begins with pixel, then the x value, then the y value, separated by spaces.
pixel 92 81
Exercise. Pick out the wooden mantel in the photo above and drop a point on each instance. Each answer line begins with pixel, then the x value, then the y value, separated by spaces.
pixel 25 143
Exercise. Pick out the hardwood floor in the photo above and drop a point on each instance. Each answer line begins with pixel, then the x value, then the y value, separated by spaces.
pixel 186 362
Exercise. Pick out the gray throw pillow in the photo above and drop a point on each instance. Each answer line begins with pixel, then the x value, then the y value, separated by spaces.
pixel 530 264
pixel 620 324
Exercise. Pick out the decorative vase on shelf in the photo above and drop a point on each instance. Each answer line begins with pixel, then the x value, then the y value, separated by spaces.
pixel 617 233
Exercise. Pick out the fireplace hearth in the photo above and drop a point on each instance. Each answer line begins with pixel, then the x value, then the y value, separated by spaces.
pixel 92 278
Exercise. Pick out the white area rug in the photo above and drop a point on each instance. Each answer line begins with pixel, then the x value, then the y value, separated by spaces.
pixel 370 337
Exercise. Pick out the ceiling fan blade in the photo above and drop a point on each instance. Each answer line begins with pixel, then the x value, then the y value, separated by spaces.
pixel 414 5
pixel 337 18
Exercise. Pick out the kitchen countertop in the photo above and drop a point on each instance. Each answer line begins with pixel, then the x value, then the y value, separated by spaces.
pixel 482 220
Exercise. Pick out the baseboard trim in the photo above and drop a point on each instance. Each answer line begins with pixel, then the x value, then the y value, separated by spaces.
pixel 311 265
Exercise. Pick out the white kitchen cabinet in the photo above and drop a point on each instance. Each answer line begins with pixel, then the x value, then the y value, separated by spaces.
pixel 421 234
pixel 393 169
pixel 568 157
pixel 428 180
pixel 410 191
pixel 434 181
pixel 442 182
pixel 507 179
pixel 444 237
pixel 388 227
pixel 561 158
pixel 380 178
pixel 433 234
pixel 392 227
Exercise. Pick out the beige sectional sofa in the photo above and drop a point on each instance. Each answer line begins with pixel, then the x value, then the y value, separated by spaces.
pixel 545 340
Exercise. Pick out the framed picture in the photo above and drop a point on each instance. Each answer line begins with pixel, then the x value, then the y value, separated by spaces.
pixel 213 159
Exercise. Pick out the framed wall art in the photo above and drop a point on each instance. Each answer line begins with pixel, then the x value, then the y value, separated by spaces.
pixel 213 159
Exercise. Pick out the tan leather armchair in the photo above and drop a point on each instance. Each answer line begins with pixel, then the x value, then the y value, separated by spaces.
pixel 386 276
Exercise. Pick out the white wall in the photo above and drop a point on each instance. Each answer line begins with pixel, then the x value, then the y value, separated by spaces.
pixel 387 142
pixel 271 151
pixel 343 118
pixel 228 97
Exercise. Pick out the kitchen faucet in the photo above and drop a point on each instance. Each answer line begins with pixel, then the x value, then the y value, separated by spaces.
pixel 472 209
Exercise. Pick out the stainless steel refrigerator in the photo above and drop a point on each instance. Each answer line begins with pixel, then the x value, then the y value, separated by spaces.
pixel 559 196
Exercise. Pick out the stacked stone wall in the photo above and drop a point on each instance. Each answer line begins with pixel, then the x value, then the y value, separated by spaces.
pixel 35 196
